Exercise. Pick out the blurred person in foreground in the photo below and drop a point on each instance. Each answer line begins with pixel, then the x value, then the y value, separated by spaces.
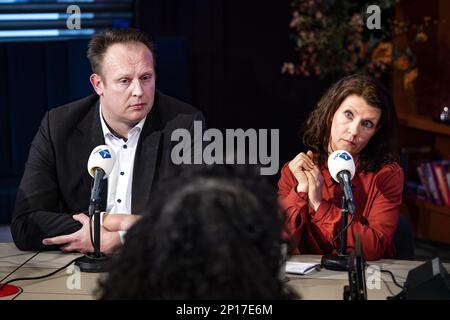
pixel 213 233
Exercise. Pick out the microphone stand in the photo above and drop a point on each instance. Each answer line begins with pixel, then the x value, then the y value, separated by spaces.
pixel 96 261
pixel 339 261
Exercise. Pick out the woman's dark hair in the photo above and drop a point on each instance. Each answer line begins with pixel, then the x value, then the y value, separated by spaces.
pixel 211 234
pixel 382 147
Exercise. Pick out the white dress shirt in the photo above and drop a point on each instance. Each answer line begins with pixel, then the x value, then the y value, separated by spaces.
pixel 120 180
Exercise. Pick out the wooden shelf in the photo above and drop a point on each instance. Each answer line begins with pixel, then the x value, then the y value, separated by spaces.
pixel 429 206
pixel 430 222
pixel 423 123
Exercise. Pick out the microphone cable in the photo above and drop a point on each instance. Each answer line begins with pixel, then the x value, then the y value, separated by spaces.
pixel 34 278
pixel 3 284
pixel 5 277
pixel 399 295
pixel 90 230
pixel 341 234
pixel 390 273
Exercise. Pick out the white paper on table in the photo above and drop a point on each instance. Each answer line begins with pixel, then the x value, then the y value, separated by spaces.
pixel 301 268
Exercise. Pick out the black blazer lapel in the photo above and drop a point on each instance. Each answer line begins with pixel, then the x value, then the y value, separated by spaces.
pixel 145 162
pixel 91 137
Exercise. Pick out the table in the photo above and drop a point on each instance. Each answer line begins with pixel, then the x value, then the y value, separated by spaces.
pixel 317 285
pixel 329 285
pixel 61 286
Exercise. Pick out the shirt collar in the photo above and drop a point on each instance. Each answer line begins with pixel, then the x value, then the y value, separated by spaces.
pixel 106 132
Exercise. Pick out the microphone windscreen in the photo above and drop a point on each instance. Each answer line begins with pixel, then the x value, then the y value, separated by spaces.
pixel 340 160
pixel 102 157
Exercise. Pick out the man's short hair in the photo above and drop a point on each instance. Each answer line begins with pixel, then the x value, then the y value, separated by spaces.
pixel 100 43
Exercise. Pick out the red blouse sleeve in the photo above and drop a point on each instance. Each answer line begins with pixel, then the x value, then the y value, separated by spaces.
pixel 294 204
pixel 378 226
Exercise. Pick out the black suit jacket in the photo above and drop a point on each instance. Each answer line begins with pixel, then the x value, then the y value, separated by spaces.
pixel 56 184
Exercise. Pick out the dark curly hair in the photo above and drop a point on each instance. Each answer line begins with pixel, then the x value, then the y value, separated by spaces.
pixel 210 234
pixel 382 147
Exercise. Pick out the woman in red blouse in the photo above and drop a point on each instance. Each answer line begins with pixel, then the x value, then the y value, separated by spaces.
pixel 357 115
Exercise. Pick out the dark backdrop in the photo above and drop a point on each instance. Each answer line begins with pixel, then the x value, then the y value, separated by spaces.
pixel 222 56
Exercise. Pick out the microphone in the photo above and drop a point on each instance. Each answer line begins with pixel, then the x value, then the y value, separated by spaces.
pixel 100 164
pixel 342 169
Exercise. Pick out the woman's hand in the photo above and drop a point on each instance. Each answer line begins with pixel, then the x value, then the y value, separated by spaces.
pixel 298 166
pixel 315 183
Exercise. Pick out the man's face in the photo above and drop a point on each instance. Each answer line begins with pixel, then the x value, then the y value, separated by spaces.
pixel 126 85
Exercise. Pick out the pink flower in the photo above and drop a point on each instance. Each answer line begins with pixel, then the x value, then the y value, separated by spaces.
pixel 288 67
pixel 317 69
pixel 421 37
pixel 319 15
pixel 294 22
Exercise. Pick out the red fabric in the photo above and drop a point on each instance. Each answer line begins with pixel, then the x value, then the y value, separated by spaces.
pixel 377 197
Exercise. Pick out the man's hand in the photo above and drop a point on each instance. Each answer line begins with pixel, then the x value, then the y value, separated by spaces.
pixel 81 240
pixel 119 222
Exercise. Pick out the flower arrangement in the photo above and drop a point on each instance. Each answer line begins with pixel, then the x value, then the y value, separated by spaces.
pixel 331 37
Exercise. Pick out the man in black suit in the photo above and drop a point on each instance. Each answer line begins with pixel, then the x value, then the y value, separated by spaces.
pixel 130 116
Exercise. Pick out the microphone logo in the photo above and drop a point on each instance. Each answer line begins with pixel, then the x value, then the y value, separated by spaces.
pixel 343 155
pixel 105 154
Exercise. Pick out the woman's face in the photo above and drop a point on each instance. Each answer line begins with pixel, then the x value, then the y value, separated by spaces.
pixel 354 124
